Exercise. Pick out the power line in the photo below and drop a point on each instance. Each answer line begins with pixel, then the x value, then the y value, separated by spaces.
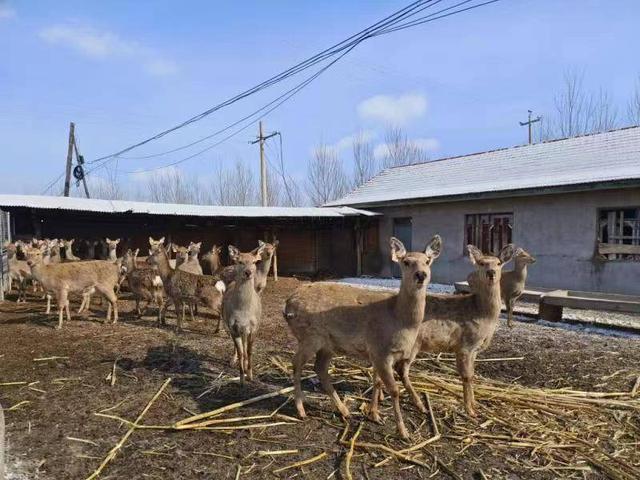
pixel 387 25
pixel 352 40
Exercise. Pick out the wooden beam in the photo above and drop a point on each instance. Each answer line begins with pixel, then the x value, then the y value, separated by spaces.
pixel 618 249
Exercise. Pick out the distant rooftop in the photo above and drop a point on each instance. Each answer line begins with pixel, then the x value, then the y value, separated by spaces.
pixel 589 159
pixel 122 206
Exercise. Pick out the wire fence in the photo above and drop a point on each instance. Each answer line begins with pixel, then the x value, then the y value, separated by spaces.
pixel 5 237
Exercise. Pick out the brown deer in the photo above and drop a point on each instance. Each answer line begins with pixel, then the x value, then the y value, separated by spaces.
pixel 187 260
pixel 381 327
pixel 210 261
pixel 242 307
pixel 63 278
pixel 112 245
pixel 145 284
pixel 19 272
pixel 464 324
pixel 68 250
pixel 184 288
pixel 512 282
pixel 269 250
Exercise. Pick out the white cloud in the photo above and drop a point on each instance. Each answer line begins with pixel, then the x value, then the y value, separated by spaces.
pixel 393 109
pixel 102 44
pixel 345 143
pixel 6 12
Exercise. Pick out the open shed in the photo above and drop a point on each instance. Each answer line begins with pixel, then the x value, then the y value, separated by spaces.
pixel 312 240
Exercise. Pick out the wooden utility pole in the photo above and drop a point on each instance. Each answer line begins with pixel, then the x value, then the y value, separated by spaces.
pixel 530 122
pixel 263 165
pixel 80 162
pixel 67 178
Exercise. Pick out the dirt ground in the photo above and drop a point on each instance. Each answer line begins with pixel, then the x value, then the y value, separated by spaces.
pixel 55 434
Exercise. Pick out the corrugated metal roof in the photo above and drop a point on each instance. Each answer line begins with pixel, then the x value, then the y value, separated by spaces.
pixel 595 158
pixel 122 206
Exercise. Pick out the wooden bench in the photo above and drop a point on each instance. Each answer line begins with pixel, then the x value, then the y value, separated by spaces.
pixel 551 302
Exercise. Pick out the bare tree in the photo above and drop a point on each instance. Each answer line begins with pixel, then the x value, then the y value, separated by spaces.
pixel 235 186
pixel 326 178
pixel 365 165
pixel 578 112
pixel 107 187
pixel 172 186
pixel 633 107
pixel 400 150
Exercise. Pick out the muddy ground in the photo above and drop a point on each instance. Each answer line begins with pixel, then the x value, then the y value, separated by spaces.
pixel 55 434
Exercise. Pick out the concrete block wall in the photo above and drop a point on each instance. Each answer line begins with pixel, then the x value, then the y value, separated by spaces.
pixel 560 230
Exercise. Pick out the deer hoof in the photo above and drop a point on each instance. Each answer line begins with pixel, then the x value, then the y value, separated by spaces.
pixel 375 417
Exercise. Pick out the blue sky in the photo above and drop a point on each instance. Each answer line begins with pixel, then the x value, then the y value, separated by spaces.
pixel 123 71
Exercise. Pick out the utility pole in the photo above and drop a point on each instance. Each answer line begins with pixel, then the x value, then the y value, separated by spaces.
pixel 67 178
pixel 78 171
pixel 263 165
pixel 530 122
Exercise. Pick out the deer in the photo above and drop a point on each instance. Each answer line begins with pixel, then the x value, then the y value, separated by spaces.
pixel 144 283
pixel 464 324
pixel 185 287
pixel 187 260
pixel 112 245
pixel 381 327
pixel 263 267
pixel 19 272
pixel 512 282
pixel 210 261
pixel 53 251
pixel 68 250
pixel 242 308
pixel 63 278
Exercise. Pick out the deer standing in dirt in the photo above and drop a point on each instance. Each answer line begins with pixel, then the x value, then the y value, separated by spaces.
pixel 381 327
pixel 242 308
pixel 184 288
pixel 19 272
pixel 464 324
pixel 187 260
pixel 269 250
pixel 145 284
pixel 63 278
pixel 512 283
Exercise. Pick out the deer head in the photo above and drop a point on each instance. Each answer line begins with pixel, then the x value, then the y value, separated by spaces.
pixel 245 262
pixel 488 267
pixel 522 257
pixel 415 266
pixel 194 249
pixel 156 243
pixel 268 248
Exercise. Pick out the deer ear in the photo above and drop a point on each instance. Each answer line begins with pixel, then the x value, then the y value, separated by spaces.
pixel 276 243
pixel 198 245
pixel 506 253
pixel 108 240
pixel 260 250
pixel 136 252
pixel 474 253
pixel 117 241
pixel 161 240
pixel 397 249
pixel 151 241
pixel 234 253
pixel 434 247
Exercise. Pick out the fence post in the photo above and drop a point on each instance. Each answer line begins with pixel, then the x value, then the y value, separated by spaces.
pixel 2 470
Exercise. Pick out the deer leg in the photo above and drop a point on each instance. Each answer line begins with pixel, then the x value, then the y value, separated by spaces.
pixel 385 372
pixel 62 300
pixel 249 350
pixel 376 398
pixel 406 381
pixel 465 363
pixel 48 297
pixel 110 295
pixel 510 304
pixel 218 325
pixel 179 314
pixel 321 367
pixel 237 341
pixel 302 356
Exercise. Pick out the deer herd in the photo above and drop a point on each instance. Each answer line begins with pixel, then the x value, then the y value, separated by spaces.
pixel 384 328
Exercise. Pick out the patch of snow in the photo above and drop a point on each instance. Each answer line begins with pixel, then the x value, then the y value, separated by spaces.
pixel 390 284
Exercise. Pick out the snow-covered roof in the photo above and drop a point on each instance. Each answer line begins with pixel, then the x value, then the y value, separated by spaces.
pixel 122 206
pixel 596 158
